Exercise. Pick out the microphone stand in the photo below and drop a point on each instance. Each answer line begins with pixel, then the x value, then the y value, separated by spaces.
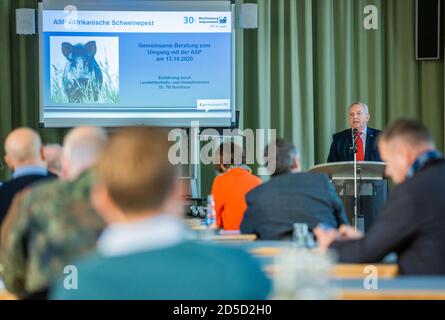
pixel 354 149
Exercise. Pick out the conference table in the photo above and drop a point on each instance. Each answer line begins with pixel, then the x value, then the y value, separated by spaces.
pixel 399 288
pixel 4 295
pixel 348 279
pixel 7 296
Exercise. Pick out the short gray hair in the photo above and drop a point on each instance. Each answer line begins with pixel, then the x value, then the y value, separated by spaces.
pixel 285 153
pixel 363 105
pixel 84 145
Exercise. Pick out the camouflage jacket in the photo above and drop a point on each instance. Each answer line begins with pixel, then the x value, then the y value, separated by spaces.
pixel 47 227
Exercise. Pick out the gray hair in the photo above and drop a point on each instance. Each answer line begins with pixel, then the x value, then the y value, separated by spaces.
pixel 285 154
pixel 84 145
pixel 363 105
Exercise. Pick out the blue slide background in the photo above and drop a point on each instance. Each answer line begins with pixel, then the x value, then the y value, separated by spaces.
pixel 214 64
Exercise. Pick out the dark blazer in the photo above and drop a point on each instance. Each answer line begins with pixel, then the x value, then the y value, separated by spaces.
pixel 10 188
pixel 273 207
pixel 411 224
pixel 341 147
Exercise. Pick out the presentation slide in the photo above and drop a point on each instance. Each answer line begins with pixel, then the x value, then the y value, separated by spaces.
pixel 118 67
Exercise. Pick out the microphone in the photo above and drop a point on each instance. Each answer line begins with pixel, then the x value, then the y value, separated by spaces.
pixel 354 140
pixel 355 132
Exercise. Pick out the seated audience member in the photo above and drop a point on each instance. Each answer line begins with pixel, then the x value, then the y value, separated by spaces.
pixel 24 157
pixel 291 197
pixel 230 187
pixel 52 154
pixel 143 253
pixel 412 222
pixel 53 223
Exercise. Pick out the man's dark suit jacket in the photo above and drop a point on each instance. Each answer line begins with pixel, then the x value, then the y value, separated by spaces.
pixel 10 188
pixel 273 207
pixel 341 147
pixel 411 224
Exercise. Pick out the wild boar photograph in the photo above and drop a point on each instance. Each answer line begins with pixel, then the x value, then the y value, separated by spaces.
pixel 84 70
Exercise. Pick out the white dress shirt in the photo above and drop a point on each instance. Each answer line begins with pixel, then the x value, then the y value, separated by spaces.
pixel 152 233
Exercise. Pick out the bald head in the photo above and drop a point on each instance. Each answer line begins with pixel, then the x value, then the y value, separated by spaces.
pixel 82 148
pixel 23 147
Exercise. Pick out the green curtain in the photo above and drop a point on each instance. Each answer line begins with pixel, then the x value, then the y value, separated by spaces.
pixel 309 59
pixel 19 79
pixel 297 73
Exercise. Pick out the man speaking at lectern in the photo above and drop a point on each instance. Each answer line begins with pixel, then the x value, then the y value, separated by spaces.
pixel 342 144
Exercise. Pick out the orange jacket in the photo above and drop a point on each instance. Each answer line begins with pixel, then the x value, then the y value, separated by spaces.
pixel 229 191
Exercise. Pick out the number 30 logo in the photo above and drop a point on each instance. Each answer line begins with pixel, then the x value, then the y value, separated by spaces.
pixel 189 20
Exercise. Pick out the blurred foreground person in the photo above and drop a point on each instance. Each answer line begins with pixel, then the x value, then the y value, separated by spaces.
pixel 144 253
pixel 53 223
pixel 53 154
pixel 412 222
pixel 24 157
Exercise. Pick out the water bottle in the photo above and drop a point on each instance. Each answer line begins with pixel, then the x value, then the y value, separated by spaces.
pixel 302 238
pixel 300 234
pixel 211 214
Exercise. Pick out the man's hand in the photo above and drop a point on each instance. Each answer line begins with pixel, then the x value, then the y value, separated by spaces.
pixel 326 237
pixel 349 233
